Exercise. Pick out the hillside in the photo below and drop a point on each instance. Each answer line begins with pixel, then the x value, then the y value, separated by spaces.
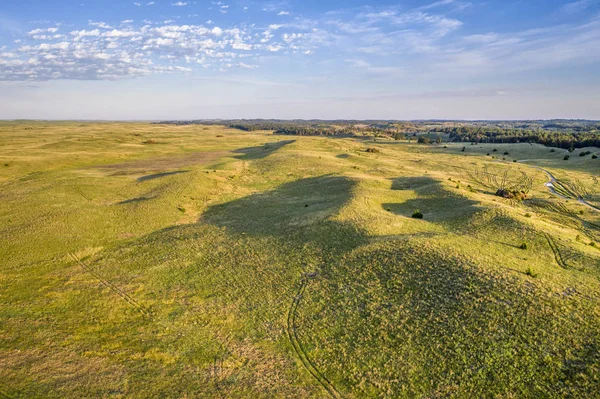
pixel 182 261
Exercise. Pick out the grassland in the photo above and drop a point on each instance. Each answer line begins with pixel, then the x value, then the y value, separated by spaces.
pixel 163 261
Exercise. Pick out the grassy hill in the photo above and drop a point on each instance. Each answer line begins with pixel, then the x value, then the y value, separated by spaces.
pixel 142 261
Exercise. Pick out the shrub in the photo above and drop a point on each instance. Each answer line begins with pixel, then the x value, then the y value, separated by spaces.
pixel 495 150
pixel 531 273
pixel 506 153
pixel 594 156
pixel 553 150
pixel 464 149
pixel 514 160
pixel 372 150
pixel 566 158
pixel 523 246
pixel 417 215
pixel 528 215
pixel 584 153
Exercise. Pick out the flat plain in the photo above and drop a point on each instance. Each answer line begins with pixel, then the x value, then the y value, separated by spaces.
pixel 162 261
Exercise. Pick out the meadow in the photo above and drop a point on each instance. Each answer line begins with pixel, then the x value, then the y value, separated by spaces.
pixel 163 261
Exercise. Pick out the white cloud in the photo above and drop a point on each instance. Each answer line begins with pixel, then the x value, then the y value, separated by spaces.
pixel 578 6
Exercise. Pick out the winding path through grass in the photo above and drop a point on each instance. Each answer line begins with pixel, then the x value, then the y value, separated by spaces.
pixel 554 182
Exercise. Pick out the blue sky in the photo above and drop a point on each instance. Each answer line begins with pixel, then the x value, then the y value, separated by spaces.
pixel 179 59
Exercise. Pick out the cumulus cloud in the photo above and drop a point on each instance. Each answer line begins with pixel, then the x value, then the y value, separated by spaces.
pixel 375 40
pixel 101 52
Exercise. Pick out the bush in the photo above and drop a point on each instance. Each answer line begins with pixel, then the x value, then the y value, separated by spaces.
pixel 531 273
pixel 495 150
pixel 584 153
pixel 506 153
pixel 523 246
pixel 594 156
pixel 417 215
pixel 566 158
pixel 372 150
pixel 553 150
pixel 464 149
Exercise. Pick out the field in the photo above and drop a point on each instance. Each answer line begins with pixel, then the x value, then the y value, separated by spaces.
pixel 165 261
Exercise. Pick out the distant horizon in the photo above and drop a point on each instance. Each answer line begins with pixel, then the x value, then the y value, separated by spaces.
pixel 298 119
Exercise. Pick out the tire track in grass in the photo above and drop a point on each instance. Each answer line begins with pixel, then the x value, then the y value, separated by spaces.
pixel 185 185
pixel 145 312
pixel 556 251
pixel 562 190
pixel 297 345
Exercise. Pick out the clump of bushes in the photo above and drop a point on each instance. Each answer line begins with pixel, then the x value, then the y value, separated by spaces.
pixel 372 150
pixel 417 214
pixel 566 158
pixel 523 246
pixel 594 156
pixel 553 150
pixel 584 153
pixel 464 149
pixel 506 153
pixel 511 194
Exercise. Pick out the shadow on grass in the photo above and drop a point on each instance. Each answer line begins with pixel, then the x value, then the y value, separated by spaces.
pixel 159 175
pixel 438 204
pixel 259 152
pixel 299 211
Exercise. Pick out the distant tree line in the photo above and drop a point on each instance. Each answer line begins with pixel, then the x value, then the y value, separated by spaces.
pixel 568 134
pixel 550 138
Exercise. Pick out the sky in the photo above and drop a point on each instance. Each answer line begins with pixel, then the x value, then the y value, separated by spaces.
pixel 304 59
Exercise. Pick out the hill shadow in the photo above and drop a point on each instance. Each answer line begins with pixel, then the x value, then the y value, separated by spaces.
pixel 159 175
pixel 259 152
pixel 299 211
pixel 438 204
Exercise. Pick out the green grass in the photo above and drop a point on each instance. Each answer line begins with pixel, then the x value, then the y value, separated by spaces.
pixel 219 263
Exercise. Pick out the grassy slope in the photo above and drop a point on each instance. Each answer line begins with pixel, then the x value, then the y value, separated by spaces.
pixel 288 267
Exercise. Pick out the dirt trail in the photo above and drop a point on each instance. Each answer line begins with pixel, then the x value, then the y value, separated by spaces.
pixel 554 182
